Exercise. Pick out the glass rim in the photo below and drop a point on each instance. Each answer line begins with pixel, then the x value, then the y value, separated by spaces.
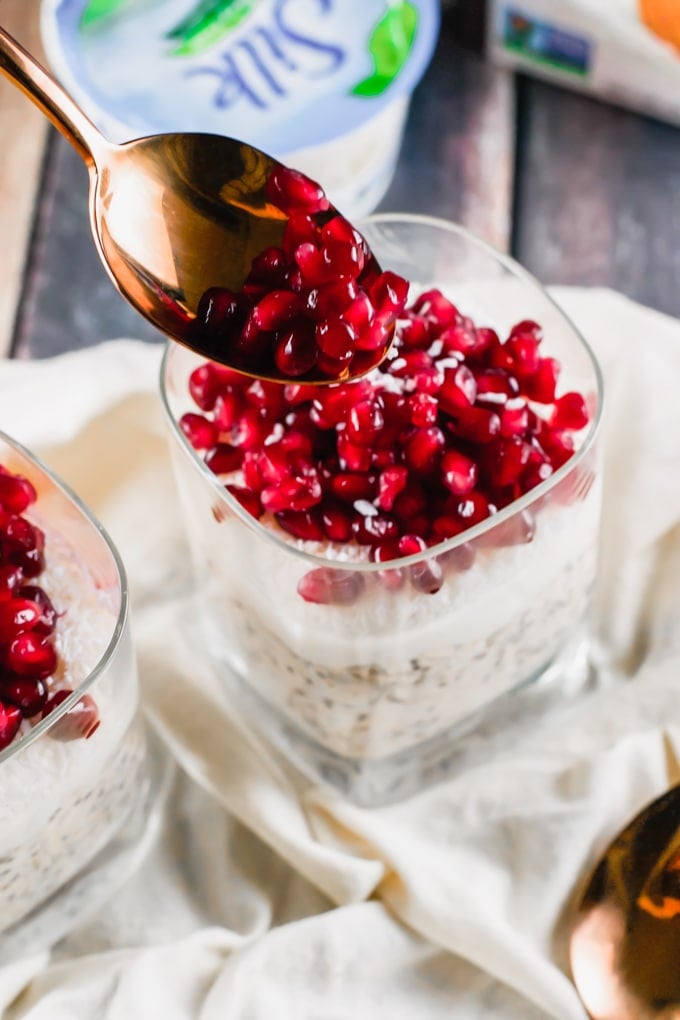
pixel 121 618
pixel 469 534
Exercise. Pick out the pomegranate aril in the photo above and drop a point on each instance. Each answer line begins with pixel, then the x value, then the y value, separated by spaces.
pixel 275 309
pixel 250 431
pixel 16 493
pixel 31 655
pixel 201 432
pixel 364 422
pixel 476 424
pixel 411 545
pixel 459 473
pixel 248 500
pixel 304 525
pixel 223 459
pixel 48 614
pixel 10 721
pixel 410 363
pixel 423 449
pixel 270 266
pixel 558 445
pixel 353 456
pixel 296 353
pixel 267 397
pixel 541 384
pixel 388 295
pixel 524 351
pixel 463 338
pixel 514 418
pixel 415 334
pixel 506 460
pixel 26 693
pixel 300 229
pixel 329 301
pixel 458 390
pixel 410 502
pixel 80 722
pixel 340 229
pixel 473 509
pixel 432 304
pixel 423 409
pixel 393 578
pixel 336 521
pixel 359 315
pixel 496 386
pixel 528 327
pixel 219 311
pixel 313 268
pixel 374 528
pixel 391 482
pixel 16 616
pixel 292 494
pixel 291 191
pixel 227 408
pixel 331 587
pixel 427 576
pixel 569 412
pixel 351 486
pixel 447 526
pixel 343 259
pixel 11 578
pixel 335 339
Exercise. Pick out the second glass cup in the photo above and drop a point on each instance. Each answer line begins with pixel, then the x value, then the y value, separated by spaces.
pixel 366 673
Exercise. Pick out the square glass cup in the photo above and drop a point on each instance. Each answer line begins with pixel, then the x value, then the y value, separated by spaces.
pixel 375 697
pixel 76 814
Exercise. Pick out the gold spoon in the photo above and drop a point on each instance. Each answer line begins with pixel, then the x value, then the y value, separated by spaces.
pixel 625 943
pixel 172 216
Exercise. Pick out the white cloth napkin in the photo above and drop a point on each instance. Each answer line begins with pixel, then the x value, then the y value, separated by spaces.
pixel 266 897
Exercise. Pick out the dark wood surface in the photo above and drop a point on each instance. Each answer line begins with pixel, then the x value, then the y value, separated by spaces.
pixel 579 191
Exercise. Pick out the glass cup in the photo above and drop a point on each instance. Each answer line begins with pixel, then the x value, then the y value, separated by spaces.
pixel 374 697
pixel 76 814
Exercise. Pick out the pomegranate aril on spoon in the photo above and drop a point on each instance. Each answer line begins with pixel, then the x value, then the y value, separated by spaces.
pixel 318 306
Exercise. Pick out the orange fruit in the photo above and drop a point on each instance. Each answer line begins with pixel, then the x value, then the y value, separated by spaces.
pixel 663 18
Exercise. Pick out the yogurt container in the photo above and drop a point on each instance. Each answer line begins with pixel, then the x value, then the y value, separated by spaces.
pixel 322 85
pixel 360 669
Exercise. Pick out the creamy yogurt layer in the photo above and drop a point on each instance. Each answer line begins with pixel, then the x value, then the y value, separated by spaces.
pixel 398 668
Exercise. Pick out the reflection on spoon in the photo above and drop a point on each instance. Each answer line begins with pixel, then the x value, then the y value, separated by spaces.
pixel 224 249
pixel 625 944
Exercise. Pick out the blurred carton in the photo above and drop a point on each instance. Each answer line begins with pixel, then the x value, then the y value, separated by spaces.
pixel 626 51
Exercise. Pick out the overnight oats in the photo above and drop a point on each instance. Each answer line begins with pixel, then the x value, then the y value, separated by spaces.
pixel 381 561
pixel 76 783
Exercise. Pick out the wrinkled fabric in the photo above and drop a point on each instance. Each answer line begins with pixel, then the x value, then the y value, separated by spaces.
pixel 266 896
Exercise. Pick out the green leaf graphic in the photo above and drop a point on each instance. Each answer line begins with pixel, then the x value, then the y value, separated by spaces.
pixel 206 24
pixel 389 46
pixel 97 10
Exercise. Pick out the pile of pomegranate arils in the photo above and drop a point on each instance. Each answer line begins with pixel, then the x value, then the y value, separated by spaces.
pixel 28 620
pixel 452 427
pixel 318 306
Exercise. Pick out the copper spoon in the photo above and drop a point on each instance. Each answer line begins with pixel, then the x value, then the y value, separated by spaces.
pixel 625 943
pixel 172 215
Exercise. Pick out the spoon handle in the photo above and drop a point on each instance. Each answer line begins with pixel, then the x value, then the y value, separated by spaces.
pixel 41 88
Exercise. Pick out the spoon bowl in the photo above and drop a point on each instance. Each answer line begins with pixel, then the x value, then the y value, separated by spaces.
pixel 174 216
pixel 625 942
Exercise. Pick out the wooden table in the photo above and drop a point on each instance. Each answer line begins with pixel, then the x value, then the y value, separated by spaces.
pixel 579 191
